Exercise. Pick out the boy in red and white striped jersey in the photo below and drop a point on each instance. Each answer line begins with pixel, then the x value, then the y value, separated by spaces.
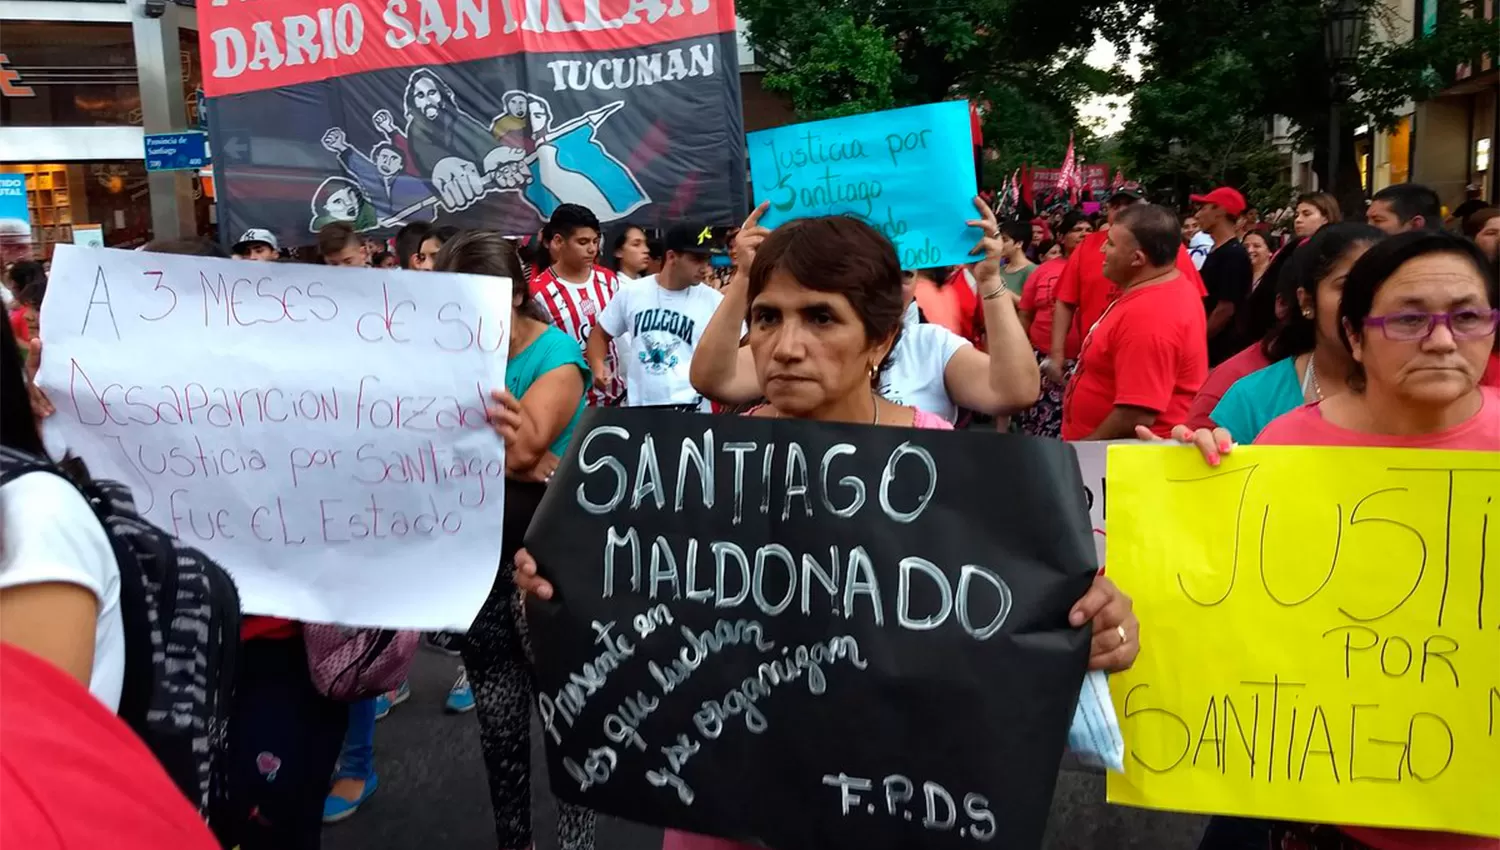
pixel 574 290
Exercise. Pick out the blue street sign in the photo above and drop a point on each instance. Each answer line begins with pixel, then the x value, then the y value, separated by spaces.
pixel 202 103
pixel 176 151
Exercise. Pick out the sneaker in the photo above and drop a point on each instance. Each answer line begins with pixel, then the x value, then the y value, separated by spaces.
pixel 390 699
pixel 441 642
pixel 336 808
pixel 461 696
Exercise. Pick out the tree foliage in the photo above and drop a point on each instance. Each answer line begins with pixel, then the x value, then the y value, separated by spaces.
pixel 1216 74
pixel 1023 57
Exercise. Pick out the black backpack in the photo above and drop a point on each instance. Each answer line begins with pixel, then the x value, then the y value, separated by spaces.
pixel 181 616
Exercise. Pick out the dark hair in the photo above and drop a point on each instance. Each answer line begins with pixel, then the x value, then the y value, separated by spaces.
pixel 1264 237
pixel 1478 219
pixel 1018 231
pixel 17 421
pixel 1156 230
pixel 1372 270
pixel 1409 200
pixel 656 248
pixel 1310 264
pixel 336 236
pixel 409 241
pixel 1044 246
pixel 379 257
pixel 840 255
pixel 382 147
pixel 1071 220
pixel 187 247
pixel 33 294
pixel 614 261
pixel 447 231
pixel 568 218
pixel 485 252
pixel 25 273
pixel 1325 203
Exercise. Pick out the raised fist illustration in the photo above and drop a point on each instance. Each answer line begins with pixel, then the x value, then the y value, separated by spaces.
pixel 335 140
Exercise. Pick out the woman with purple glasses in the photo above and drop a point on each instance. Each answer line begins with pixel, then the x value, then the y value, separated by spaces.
pixel 1418 316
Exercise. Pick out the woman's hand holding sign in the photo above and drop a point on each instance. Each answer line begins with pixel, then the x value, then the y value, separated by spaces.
pixel 1117 632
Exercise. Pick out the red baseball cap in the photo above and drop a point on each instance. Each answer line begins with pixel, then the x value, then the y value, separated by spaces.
pixel 1227 199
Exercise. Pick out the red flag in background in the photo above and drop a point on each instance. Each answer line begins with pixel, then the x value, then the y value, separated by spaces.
pixel 1069 180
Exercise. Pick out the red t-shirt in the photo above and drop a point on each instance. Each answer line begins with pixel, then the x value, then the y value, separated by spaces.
pixel 1306 426
pixel 949 305
pixel 1039 296
pixel 1084 285
pixel 74 777
pixel 1223 376
pixel 1149 350
pixel 18 325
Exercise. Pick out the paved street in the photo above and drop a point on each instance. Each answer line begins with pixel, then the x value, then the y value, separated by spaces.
pixel 433 795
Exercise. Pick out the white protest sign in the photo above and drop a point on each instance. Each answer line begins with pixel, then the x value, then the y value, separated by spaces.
pixel 1091 456
pixel 319 431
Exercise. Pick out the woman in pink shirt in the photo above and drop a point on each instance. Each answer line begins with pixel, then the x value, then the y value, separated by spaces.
pixel 1419 317
pixel 825 310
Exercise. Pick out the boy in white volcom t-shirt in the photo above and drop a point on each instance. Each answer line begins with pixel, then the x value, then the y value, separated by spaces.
pixel 655 322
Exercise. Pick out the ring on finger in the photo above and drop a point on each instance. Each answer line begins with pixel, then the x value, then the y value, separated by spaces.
pixel 1124 637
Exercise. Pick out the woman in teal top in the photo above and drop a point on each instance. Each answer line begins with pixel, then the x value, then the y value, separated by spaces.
pixel 545 377
pixel 537 350
pixel 1308 359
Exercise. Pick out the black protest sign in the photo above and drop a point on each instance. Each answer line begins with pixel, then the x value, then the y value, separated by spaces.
pixel 808 635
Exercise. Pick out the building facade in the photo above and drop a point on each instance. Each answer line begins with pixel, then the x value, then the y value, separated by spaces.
pixel 83 81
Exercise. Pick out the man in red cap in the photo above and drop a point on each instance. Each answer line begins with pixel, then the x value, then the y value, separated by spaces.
pixel 1226 273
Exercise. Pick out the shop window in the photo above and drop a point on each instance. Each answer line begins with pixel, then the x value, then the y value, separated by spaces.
pixel 83 75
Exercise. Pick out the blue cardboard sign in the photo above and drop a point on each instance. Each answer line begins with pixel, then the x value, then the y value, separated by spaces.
pixel 907 172
pixel 13 202
pixel 176 151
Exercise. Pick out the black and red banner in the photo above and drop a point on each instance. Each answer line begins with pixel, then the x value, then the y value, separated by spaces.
pixel 477 113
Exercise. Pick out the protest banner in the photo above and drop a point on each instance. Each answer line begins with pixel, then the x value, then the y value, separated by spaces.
pixel 476 114
pixel 907 172
pixel 810 635
pixel 1091 468
pixel 319 431
pixel 1319 643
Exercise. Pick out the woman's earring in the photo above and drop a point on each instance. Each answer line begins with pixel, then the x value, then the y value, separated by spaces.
pixel 1307 313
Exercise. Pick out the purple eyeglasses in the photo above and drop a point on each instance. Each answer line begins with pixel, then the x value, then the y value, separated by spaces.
pixel 1467 323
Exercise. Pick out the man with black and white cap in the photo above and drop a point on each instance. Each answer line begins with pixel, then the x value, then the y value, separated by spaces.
pixel 257 244
pixel 657 320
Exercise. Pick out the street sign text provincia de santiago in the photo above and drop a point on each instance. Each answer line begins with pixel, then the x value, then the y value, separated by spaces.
pixel 176 151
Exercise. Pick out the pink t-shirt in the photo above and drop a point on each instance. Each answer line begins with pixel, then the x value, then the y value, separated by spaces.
pixel 1306 426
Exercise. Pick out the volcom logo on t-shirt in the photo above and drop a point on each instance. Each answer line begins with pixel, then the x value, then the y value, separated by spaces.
pixel 661 332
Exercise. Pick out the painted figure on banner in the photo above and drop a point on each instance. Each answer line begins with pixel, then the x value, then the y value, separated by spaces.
pixel 382 177
pixel 445 159
pixel 386 124
pixel 339 199
pixel 454 148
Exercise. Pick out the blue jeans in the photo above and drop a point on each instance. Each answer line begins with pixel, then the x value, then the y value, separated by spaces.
pixel 357 759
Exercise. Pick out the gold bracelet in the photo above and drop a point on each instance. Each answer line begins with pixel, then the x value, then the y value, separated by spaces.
pixel 991 296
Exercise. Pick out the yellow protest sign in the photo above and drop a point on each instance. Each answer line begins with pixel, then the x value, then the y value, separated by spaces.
pixel 1320 634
